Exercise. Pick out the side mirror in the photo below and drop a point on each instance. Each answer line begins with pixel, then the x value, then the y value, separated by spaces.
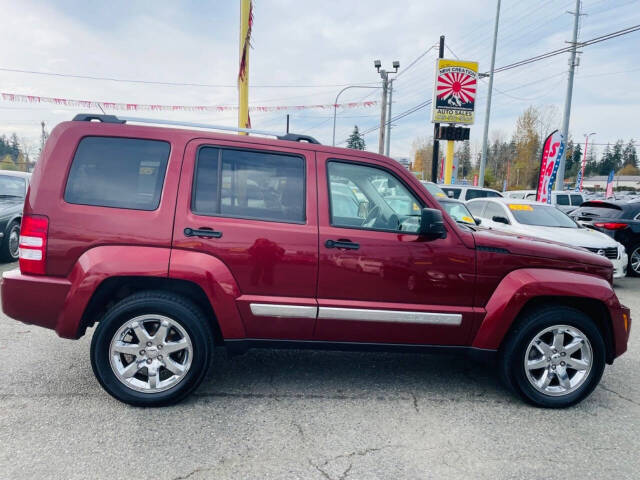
pixel 478 221
pixel 432 224
pixel 498 219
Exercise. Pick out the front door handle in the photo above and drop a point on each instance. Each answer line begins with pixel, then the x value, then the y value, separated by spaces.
pixel 202 232
pixel 342 243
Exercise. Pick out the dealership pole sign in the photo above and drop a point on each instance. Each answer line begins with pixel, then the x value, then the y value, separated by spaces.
pixel 454 95
pixel 549 163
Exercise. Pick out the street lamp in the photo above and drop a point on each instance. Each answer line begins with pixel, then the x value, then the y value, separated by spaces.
pixel 335 105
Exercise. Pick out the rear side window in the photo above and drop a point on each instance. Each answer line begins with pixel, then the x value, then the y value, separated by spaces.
pixel 249 184
pixel 118 172
pixel 473 193
pixel 576 199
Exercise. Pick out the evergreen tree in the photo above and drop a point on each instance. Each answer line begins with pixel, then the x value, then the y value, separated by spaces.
pixel 465 159
pixel 629 154
pixel 356 139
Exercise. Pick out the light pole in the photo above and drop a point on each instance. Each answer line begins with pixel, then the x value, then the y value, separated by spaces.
pixel 383 111
pixel 335 106
pixel 584 156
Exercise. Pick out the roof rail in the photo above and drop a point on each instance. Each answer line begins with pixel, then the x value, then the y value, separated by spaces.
pixel 88 117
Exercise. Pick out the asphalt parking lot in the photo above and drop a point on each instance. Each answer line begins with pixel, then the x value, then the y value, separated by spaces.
pixel 317 415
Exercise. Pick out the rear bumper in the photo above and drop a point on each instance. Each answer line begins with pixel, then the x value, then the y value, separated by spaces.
pixel 37 300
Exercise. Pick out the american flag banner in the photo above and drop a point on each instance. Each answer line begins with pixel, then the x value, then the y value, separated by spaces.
pixel 609 191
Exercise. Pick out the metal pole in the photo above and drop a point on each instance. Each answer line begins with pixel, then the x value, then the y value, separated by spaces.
pixel 567 101
pixel 388 138
pixel 487 115
pixel 243 75
pixel 584 157
pixel 335 106
pixel 383 110
pixel 436 127
pixel 287 123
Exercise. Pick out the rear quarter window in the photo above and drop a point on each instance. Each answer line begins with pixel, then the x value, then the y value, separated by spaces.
pixel 118 172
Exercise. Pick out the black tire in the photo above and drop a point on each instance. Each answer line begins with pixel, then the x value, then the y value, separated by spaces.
pixel 514 349
pixel 6 253
pixel 630 271
pixel 179 310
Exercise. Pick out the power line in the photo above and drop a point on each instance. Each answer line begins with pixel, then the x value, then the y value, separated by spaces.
pixel 172 84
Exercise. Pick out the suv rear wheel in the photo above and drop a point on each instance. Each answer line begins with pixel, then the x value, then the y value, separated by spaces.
pixel 152 349
pixel 634 261
pixel 554 357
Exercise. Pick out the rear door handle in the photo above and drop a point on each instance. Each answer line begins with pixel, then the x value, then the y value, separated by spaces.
pixel 342 243
pixel 202 232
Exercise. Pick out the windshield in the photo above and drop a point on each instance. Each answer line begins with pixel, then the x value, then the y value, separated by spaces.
pixel 12 186
pixel 434 190
pixel 459 212
pixel 540 215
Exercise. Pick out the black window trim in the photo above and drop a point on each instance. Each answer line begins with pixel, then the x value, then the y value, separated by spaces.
pixel 219 192
pixel 75 151
pixel 375 166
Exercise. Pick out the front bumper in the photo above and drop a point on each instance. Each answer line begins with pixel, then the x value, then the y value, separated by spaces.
pixel 620 266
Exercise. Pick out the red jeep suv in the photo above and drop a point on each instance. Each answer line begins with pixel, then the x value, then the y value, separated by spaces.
pixel 176 241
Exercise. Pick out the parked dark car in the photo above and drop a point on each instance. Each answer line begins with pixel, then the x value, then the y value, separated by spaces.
pixel 13 189
pixel 620 220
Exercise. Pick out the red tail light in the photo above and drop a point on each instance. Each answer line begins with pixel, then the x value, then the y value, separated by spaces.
pixel 33 244
pixel 611 225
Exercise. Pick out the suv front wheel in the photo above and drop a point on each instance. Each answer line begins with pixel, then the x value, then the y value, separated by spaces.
pixel 152 349
pixel 554 357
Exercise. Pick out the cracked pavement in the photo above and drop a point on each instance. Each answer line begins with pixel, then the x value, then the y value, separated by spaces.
pixel 309 415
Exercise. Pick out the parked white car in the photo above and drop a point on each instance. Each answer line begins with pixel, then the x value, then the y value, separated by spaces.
pixel 468 192
pixel 545 221
pixel 566 201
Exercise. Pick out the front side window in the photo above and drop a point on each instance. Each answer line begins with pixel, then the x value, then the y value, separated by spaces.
pixel 249 184
pixel 562 199
pixel 118 172
pixel 476 208
pixel 452 192
pixel 495 210
pixel 370 198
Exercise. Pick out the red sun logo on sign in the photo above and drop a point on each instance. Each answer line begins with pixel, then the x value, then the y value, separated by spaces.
pixel 457 87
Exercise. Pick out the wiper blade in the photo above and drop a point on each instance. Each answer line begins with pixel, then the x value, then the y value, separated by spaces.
pixel 6 195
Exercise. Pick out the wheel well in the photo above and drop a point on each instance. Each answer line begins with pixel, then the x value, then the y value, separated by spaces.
pixel 114 289
pixel 591 307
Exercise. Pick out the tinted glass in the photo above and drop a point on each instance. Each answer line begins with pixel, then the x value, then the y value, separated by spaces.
pixel 576 199
pixel 370 198
pixel 593 212
pixel 491 194
pixel 475 193
pixel 494 210
pixel 452 192
pixel 476 208
pixel 562 199
pixel 12 186
pixel 118 172
pixel 541 215
pixel 249 184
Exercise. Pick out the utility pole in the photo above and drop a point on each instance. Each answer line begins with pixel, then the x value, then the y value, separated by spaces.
pixel 388 137
pixel 383 111
pixel 487 115
pixel 567 101
pixel 287 123
pixel 436 128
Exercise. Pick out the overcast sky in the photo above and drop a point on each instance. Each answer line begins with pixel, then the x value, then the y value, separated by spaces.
pixel 321 45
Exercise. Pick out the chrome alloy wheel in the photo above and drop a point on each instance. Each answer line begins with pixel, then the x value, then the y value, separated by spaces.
pixel 635 260
pixel 150 353
pixel 14 241
pixel 558 360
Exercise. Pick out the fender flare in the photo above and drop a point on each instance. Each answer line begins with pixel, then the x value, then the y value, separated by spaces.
pixel 98 264
pixel 218 284
pixel 520 286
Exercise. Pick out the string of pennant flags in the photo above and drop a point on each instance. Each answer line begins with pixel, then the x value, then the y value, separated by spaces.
pixel 67 102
